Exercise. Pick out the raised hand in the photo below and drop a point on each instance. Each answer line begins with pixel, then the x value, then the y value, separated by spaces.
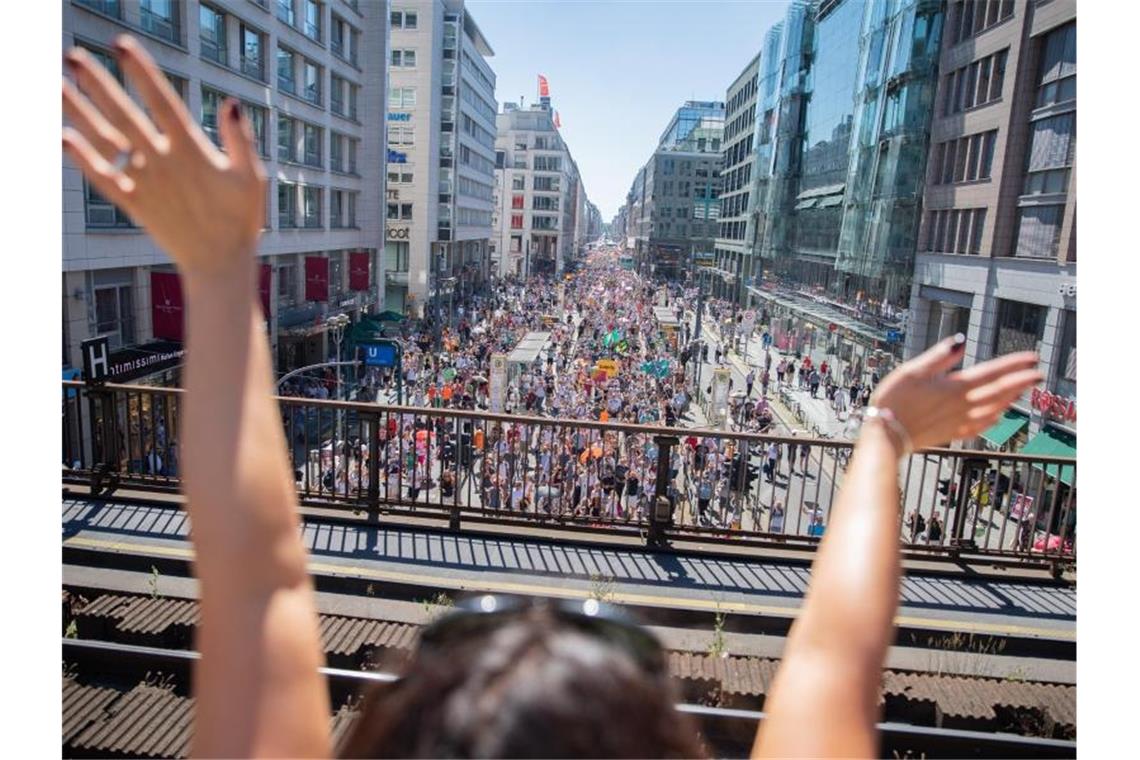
pixel 936 406
pixel 204 207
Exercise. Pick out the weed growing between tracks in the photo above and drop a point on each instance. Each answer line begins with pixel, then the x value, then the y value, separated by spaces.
pixel 435 607
pixel 962 654
pixel 602 587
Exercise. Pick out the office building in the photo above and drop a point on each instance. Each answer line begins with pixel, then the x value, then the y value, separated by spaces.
pixel 311 77
pixel 998 249
pixel 540 206
pixel 673 200
pixel 441 156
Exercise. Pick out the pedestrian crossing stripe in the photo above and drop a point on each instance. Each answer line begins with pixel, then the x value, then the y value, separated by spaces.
pixel 619 597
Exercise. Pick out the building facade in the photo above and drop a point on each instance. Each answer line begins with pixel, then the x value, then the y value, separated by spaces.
pixel 843 103
pixel 673 203
pixel 732 264
pixel 536 220
pixel 441 156
pixel 311 77
pixel 998 249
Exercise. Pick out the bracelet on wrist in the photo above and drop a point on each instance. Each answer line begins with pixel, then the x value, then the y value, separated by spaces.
pixel 892 422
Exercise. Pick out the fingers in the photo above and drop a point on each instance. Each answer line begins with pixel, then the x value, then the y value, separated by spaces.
pixel 940 357
pixel 161 100
pixel 988 371
pixel 104 138
pixel 113 103
pixel 1012 385
pixel 237 137
pixel 112 185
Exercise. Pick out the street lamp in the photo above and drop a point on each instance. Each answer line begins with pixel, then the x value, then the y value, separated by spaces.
pixel 336 326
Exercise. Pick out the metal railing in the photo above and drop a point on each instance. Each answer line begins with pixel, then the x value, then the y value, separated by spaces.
pixel 645 481
pixel 728 732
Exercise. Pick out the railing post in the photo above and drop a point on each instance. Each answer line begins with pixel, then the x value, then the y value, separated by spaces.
pixel 970 467
pixel 104 439
pixel 661 511
pixel 373 427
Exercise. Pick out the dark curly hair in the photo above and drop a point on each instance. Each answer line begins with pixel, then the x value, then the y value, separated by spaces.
pixel 532 687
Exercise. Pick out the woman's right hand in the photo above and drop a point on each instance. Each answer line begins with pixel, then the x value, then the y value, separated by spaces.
pixel 203 206
pixel 936 406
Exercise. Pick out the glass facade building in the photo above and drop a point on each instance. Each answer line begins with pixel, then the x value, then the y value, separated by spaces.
pixel 845 102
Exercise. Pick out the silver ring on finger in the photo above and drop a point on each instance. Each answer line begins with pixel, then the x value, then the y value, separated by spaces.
pixel 122 161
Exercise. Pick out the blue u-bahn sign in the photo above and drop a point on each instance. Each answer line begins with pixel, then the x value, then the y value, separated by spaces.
pixel 380 355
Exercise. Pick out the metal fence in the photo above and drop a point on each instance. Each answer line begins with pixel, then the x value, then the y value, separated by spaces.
pixel 657 482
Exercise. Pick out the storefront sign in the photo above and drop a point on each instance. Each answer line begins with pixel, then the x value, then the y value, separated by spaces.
pixel 100 365
pixel 359 269
pixel 316 278
pixel 1053 405
pixel 348 303
pixel 393 194
pixel 395 157
pixel 380 354
pixel 398 233
pixel 399 117
pixel 166 305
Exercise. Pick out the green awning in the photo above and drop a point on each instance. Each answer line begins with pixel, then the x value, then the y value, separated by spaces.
pixel 1053 443
pixel 1008 426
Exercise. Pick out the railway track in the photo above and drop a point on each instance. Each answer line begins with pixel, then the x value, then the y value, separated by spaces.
pixel 139 647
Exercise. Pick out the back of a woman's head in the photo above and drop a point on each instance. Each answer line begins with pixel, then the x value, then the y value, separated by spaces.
pixel 532 687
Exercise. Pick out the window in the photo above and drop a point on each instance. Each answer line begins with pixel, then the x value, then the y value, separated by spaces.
pixel 212 33
pixel 109 7
pixel 1058 76
pixel 342 209
pixel 312 82
pixel 286 139
pixel 971 17
pixel 1020 327
pixel 312 28
pixel 516 221
pixel 403 59
pixel 285 12
pixel 403 20
pixel 517 201
pixel 393 210
pixel 311 206
pixel 115 314
pixel 345 40
pixel 286 68
pixel 1051 154
pixel 161 18
pixel 518 183
pixel 336 94
pixel 257 121
pixel 252 57
pixel 545 202
pixel 286 205
pixel 402 97
pixel 966 159
pixel 396 257
pixel 1065 357
pixel 405 211
pixel 101 212
pixel 979 224
pixel 312 143
pixel 1038 231
pixel 286 284
pixel 211 105
pixel 336 153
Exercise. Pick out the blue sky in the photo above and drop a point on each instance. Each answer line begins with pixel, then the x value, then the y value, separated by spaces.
pixel 618 69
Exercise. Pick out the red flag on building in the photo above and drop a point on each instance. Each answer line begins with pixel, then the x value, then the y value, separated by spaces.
pixel 264 280
pixel 557 121
pixel 543 87
pixel 358 270
pixel 166 305
pixel 316 278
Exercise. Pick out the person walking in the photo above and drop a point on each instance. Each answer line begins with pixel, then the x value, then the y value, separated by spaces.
pixel 814 380
pixel 748 382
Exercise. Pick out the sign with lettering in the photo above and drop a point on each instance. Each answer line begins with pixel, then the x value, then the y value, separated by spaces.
pixel 393 194
pixel 380 354
pixel 96 360
pixel 396 157
pixel 399 117
pixel 397 233
pixel 498 384
pixel 1053 405
pixel 101 365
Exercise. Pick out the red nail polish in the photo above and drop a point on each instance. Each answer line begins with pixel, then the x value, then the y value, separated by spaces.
pixel 235 112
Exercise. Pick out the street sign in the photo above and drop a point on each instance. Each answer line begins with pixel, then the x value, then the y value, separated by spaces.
pixel 380 354
pixel 498 382
pixel 720 396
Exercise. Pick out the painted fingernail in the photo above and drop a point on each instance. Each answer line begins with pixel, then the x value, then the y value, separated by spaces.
pixel 234 111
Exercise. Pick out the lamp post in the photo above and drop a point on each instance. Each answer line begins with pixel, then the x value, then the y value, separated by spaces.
pixel 336 325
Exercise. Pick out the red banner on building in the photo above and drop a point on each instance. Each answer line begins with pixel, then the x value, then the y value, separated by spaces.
pixel 166 311
pixel 316 278
pixel 557 121
pixel 359 267
pixel 543 87
pixel 264 283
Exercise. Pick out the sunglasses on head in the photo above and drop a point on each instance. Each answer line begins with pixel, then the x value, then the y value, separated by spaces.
pixel 480 615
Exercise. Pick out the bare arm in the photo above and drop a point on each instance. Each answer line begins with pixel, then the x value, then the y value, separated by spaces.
pixel 257 686
pixel 824 701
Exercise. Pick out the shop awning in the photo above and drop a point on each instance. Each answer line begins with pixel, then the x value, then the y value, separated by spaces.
pixel 1053 443
pixel 831 200
pixel 1008 426
pixel 806 203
